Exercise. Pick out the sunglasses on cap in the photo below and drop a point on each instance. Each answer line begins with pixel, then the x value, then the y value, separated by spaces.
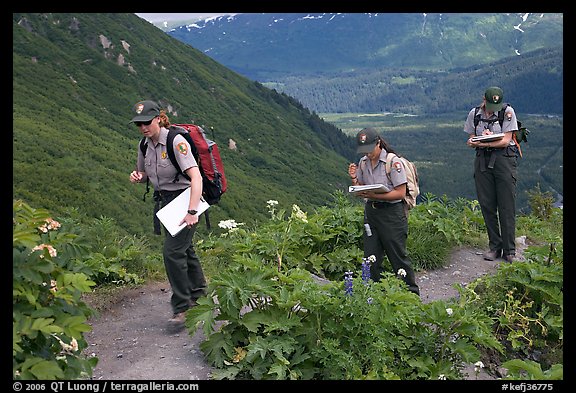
pixel 143 123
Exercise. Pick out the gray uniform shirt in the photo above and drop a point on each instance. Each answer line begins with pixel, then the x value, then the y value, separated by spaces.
pixel 158 166
pixel 508 125
pixel 377 175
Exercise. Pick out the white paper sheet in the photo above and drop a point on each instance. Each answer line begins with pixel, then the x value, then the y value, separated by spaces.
pixel 171 214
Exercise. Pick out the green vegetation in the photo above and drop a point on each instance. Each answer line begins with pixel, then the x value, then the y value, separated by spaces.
pixel 55 264
pixel 292 288
pixel 271 313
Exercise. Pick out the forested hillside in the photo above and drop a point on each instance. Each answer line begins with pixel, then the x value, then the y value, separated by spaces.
pixel 534 82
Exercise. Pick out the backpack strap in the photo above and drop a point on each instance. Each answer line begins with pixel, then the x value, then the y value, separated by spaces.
pixel 501 113
pixel 172 132
pixel 156 196
pixel 500 116
pixel 476 118
pixel 143 148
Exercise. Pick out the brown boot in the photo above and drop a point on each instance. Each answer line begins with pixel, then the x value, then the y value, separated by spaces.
pixel 492 255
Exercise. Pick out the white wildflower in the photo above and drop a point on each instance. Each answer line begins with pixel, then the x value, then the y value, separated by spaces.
pixel 74 344
pixel 478 366
pixel 449 311
pixel 298 213
pixel 72 347
pixel 271 203
pixel 229 224
pixel 49 226
pixel 402 272
pixel 371 259
pixel 51 250
pixel 442 377
pixel 53 286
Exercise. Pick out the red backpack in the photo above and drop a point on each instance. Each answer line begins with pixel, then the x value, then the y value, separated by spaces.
pixel 207 156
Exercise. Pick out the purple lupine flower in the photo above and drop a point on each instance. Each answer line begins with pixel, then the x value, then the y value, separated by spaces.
pixel 348 283
pixel 365 270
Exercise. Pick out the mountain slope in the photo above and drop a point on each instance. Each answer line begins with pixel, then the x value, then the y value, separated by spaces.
pixel 75 79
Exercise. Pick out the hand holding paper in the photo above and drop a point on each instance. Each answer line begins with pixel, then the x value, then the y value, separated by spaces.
pixel 171 215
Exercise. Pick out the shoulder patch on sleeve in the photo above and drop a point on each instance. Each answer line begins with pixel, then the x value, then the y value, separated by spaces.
pixel 182 148
pixel 398 166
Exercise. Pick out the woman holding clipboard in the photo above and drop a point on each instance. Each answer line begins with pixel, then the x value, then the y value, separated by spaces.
pixel 495 171
pixel 385 217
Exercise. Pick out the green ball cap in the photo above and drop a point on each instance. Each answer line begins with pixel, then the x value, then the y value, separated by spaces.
pixel 493 96
pixel 145 111
pixel 366 140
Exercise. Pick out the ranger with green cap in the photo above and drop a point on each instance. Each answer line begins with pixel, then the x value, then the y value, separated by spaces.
pixel 182 264
pixel 385 215
pixel 495 172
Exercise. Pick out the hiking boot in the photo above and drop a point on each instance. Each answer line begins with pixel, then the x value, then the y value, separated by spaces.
pixel 510 258
pixel 492 255
pixel 178 319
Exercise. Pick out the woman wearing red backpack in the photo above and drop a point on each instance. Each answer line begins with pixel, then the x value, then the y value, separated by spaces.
pixel 182 265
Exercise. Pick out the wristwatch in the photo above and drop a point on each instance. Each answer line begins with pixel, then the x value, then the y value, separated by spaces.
pixel 192 212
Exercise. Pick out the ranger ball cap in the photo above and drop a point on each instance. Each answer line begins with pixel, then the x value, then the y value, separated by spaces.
pixel 145 111
pixel 493 96
pixel 366 140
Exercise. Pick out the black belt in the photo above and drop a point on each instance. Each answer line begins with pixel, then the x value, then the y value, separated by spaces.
pixel 168 194
pixel 380 205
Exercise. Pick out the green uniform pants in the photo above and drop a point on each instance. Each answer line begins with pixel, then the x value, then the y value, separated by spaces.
pixel 495 175
pixel 389 232
pixel 183 267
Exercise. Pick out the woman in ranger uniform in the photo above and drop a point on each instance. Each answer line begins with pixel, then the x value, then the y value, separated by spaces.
pixel 182 265
pixel 495 173
pixel 386 221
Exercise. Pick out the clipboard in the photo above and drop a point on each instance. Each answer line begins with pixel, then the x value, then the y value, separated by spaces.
pixel 377 188
pixel 487 138
pixel 171 214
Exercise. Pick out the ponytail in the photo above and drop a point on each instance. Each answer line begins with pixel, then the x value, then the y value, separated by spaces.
pixel 384 145
pixel 164 121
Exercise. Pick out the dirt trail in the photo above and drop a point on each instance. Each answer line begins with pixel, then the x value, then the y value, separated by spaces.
pixel 133 341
